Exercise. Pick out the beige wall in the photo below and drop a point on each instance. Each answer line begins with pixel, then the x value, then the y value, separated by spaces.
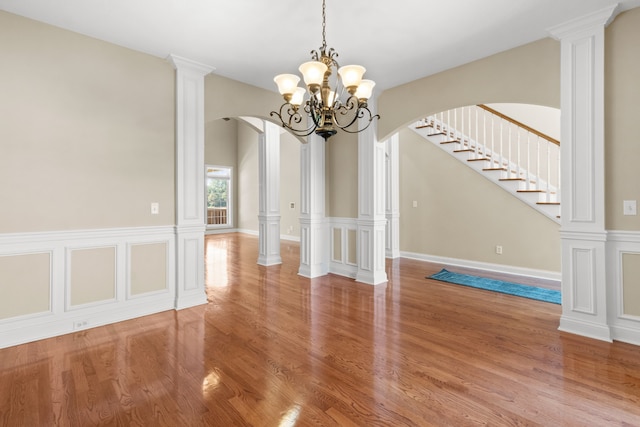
pixel 229 98
pixel 147 274
pixel 93 275
pixel 221 149
pixel 341 171
pixel 26 279
pixel 248 196
pixel 463 215
pixel 622 123
pixel 289 185
pixel 528 74
pixel 87 131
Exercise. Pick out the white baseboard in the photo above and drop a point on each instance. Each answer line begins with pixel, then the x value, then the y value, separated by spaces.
pixel 286 237
pixel 42 327
pixel 220 230
pixel 498 268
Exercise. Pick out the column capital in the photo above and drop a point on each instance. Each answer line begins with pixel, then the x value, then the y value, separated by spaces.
pixel 584 24
pixel 184 64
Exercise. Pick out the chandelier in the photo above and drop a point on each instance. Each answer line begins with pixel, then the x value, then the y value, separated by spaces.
pixel 327 108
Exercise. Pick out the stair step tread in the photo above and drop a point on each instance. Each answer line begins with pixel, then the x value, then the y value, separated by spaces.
pixel 424 126
pixel 511 179
pixel 436 133
pixel 465 150
pixel 479 159
pixel 548 203
pixel 450 142
pixel 530 191
pixel 494 169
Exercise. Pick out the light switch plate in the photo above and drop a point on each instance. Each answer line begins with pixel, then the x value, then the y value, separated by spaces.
pixel 155 208
pixel 630 207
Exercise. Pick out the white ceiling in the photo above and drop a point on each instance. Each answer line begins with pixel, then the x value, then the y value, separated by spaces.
pixel 252 40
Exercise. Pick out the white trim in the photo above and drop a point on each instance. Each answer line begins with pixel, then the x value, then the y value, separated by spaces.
pixel 62 318
pixel 230 201
pixel 624 327
pixel 342 266
pixel 497 268
pixel 221 231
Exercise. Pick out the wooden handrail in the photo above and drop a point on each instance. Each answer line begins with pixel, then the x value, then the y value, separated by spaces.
pixel 522 125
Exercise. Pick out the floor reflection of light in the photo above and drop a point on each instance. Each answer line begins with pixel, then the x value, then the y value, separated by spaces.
pixel 216 263
pixel 291 417
pixel 210 383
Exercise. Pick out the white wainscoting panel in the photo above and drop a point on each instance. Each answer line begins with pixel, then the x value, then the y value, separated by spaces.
pixel 624 327
pixel 343 242
pixel 64 318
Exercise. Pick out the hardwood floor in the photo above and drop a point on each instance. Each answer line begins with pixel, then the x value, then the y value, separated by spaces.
pixel 275 349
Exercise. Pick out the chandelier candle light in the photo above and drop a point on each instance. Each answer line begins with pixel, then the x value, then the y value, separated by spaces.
pixel 326 110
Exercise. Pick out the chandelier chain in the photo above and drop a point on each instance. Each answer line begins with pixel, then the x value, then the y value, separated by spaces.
pixel 324 25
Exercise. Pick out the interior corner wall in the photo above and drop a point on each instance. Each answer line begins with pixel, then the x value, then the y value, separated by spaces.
pixel 463 216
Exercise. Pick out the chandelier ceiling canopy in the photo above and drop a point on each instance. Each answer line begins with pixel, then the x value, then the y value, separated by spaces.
pixel 333 101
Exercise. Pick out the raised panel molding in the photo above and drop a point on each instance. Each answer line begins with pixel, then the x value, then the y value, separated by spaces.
pixel 344 228
pixel 64 318
pixel 624 327
pixel 582 286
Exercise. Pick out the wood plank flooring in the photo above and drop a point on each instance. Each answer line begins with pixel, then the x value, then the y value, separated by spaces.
pixel 275 349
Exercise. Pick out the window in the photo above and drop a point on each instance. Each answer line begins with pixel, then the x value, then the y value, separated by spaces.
pixel 218 194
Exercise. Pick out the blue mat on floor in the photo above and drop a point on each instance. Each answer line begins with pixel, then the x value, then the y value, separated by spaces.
pixel 532 292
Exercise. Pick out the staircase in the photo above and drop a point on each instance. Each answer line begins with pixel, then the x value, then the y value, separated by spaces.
pixel 521 160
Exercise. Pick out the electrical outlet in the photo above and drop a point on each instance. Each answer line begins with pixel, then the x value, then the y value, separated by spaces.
pixel 499 250
pixel 80 324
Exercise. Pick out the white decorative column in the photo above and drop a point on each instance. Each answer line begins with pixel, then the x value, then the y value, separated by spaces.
pixel 313 226
pixel 392 197
pixel 190 210
pixel 372 219
pixel 583 233
pixel 269 197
